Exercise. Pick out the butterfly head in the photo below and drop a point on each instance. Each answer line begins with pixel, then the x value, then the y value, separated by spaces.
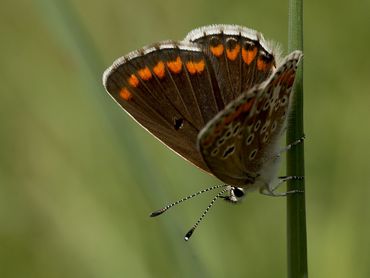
pixel 234 194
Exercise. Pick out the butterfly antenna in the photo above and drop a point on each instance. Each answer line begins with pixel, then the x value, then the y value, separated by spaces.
pixel 191 231
pixel 162 210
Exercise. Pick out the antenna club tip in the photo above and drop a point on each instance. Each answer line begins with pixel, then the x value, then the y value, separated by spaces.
pixel 157 212
pixel 188 234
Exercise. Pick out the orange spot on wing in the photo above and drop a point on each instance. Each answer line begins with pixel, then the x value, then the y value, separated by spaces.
pixel 285 77
pixel 145 73
pixel 175 66
pixel 261 65
pixel 207 141
pixel 218 129
pixel 200 66
pixel 195 67
pixel 290 81
pixel 249 55
pixel 246 107
pixel 233 53
pixel 288 78
pixel 217 50
pixel 275 81
pixel 125 94
pixel 133 81
pixel 159 69
pixel 191 68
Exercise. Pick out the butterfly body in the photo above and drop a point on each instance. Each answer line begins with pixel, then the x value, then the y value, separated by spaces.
pixel 220 98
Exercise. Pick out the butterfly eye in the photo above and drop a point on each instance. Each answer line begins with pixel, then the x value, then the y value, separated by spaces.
pixel 238 192
pixel 178 123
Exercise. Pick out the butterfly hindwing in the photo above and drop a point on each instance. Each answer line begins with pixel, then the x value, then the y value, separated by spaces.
pixel 239 56
pixel 240 138
pixel 270 118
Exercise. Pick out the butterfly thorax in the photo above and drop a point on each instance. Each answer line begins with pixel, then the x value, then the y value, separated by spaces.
pixel 265 179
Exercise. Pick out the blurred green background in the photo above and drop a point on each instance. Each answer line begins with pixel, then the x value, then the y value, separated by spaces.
pixel 78 177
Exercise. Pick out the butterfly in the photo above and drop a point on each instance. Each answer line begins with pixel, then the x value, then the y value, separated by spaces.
pixel 220 98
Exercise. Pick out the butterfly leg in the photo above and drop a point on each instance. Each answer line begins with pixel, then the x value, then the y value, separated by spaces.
pixel 270 191
pixel 283 150
pixel 296 142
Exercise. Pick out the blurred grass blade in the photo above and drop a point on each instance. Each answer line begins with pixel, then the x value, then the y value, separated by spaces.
pixel 62 17
pixel 296 211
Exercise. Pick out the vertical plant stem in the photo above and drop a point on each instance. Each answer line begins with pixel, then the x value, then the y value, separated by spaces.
pixel 296 211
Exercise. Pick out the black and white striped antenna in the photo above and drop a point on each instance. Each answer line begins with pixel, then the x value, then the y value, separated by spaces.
pixel 190 232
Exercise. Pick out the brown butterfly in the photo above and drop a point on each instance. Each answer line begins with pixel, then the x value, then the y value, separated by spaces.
pixel 219 98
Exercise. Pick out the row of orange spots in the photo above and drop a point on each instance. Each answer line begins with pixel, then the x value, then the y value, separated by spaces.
pixel 245 107
pixel 247 55
pixel 194 67
pixel 159 70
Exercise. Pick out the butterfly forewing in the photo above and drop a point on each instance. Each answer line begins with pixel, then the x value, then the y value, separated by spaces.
pixel 238 55
pixel 239 140
pixel 168 88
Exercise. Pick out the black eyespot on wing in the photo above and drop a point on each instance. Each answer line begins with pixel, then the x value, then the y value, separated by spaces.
pixel 228 134
pixel 236 129
pixel 178 123
pixel 220 141
pixel 228 151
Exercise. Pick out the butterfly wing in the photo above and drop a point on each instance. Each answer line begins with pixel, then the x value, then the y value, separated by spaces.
pixel 237 141
pixel 240 57
pixel 169 89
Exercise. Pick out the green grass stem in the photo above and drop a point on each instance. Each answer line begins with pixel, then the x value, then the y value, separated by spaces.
pixel 296 211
